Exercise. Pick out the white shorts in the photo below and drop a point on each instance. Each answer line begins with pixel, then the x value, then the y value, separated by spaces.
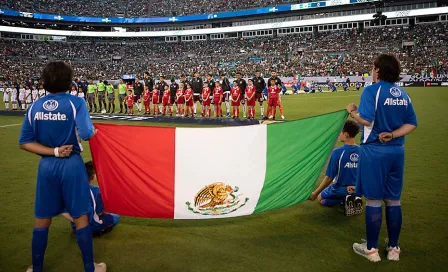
pixel 5 98
pixel 13 98
pixel 29 101
pixel 21 97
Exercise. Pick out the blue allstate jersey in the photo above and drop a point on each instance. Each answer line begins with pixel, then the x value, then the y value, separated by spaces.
pixel 343 165
pixel 55 120
pixel 387 107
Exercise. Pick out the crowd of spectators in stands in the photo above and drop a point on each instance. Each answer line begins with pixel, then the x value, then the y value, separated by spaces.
pixel 137 8
pixel 331 53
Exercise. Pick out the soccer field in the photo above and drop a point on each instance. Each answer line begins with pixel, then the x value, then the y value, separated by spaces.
pixel 304 237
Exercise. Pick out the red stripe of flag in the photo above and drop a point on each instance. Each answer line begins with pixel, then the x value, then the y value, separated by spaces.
pixel 135 169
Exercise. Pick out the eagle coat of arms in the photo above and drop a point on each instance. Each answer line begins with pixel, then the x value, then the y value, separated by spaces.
pixel 217 199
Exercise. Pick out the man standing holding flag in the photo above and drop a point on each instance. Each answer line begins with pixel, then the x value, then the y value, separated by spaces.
pixel 387 115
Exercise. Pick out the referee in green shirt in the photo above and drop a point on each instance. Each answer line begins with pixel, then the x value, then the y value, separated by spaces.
pixel 110 97
pixel 91 92
pixel 122 89
pixel 101 94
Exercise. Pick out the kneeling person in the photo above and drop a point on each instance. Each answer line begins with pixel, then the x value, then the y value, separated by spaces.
pixel 341 173
pixel 101 222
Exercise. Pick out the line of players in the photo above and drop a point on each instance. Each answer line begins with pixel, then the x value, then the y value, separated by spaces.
pixel 21 98
pixel 184 100
pixel 186 95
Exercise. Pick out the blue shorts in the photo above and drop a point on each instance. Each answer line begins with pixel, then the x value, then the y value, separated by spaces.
pixel 62 184
pixel 334 192
pixel 380 172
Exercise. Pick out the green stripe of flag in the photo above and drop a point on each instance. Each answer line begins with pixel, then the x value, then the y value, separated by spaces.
pixel 296 154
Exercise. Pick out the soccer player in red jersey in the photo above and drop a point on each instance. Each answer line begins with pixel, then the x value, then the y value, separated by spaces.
pixel 180 100
pixel 273 92
pixel 250 98
pixel 166 100
pixel 217 99
pixel 155 99
pixel 206 100
pixel 189 100
pixel 147 100
pixel 130 102
pixel 235 94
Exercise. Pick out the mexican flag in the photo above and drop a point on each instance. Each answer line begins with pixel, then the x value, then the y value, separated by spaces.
pixel 202 173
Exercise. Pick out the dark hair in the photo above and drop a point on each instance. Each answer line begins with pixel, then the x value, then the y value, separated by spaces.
pixel 238 73
pixel 351 127
pixel 146 73
pixel 90 169
pixel 389 68
pixel 57 77
pixel 105 82
pixel 173 80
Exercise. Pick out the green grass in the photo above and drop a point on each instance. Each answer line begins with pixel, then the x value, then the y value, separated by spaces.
pixel 305 237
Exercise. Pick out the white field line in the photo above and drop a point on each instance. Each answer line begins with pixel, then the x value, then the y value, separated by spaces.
pixel 329 97
pixel 13 125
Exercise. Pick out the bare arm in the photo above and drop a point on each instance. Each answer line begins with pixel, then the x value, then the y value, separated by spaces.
pixel 359 119
pixel 36 148
pixel 67 216
pixel 399 132
pixel 324 184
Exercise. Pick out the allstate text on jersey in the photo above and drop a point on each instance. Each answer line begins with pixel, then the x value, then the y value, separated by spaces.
pixel 395 102
pixel 351 165
pixel 50 116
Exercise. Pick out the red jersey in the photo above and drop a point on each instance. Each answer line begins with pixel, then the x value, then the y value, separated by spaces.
pixel 217 93
pixel 146 95
pixel 236 93
pixel 188 94
pixel 155 96
pixel 166 94
pixel 273 92
pixel 250 91
pixel 205 94
pixel 179 93
pixel 130 99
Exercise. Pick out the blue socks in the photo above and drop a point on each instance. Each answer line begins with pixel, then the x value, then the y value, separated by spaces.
pixel 38 246
pixel 84 238
pixel 393 220
pixel 331 202
pixel 374 216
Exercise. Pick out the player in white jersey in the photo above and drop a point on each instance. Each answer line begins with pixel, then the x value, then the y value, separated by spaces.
pixel 22 96
pixel 6 94
pixel 28 97
pixel 14 98
pixel 42 91
pixel 34 94
pixel 80 93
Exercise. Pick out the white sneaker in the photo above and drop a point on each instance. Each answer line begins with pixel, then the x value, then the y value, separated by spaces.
pixel 101 267
pixel 393 253
pixel 283 117
pixel 30 269
pixel 270 117
pixel 371 255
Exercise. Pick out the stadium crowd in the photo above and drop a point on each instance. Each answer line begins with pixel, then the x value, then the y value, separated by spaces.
pixel 331 53
pixel 136 8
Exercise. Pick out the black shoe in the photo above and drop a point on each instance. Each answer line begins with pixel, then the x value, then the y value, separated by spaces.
pixel 358 205
pixel 90 111
pixel 349 205
pixel 121 112
pixel 265 118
